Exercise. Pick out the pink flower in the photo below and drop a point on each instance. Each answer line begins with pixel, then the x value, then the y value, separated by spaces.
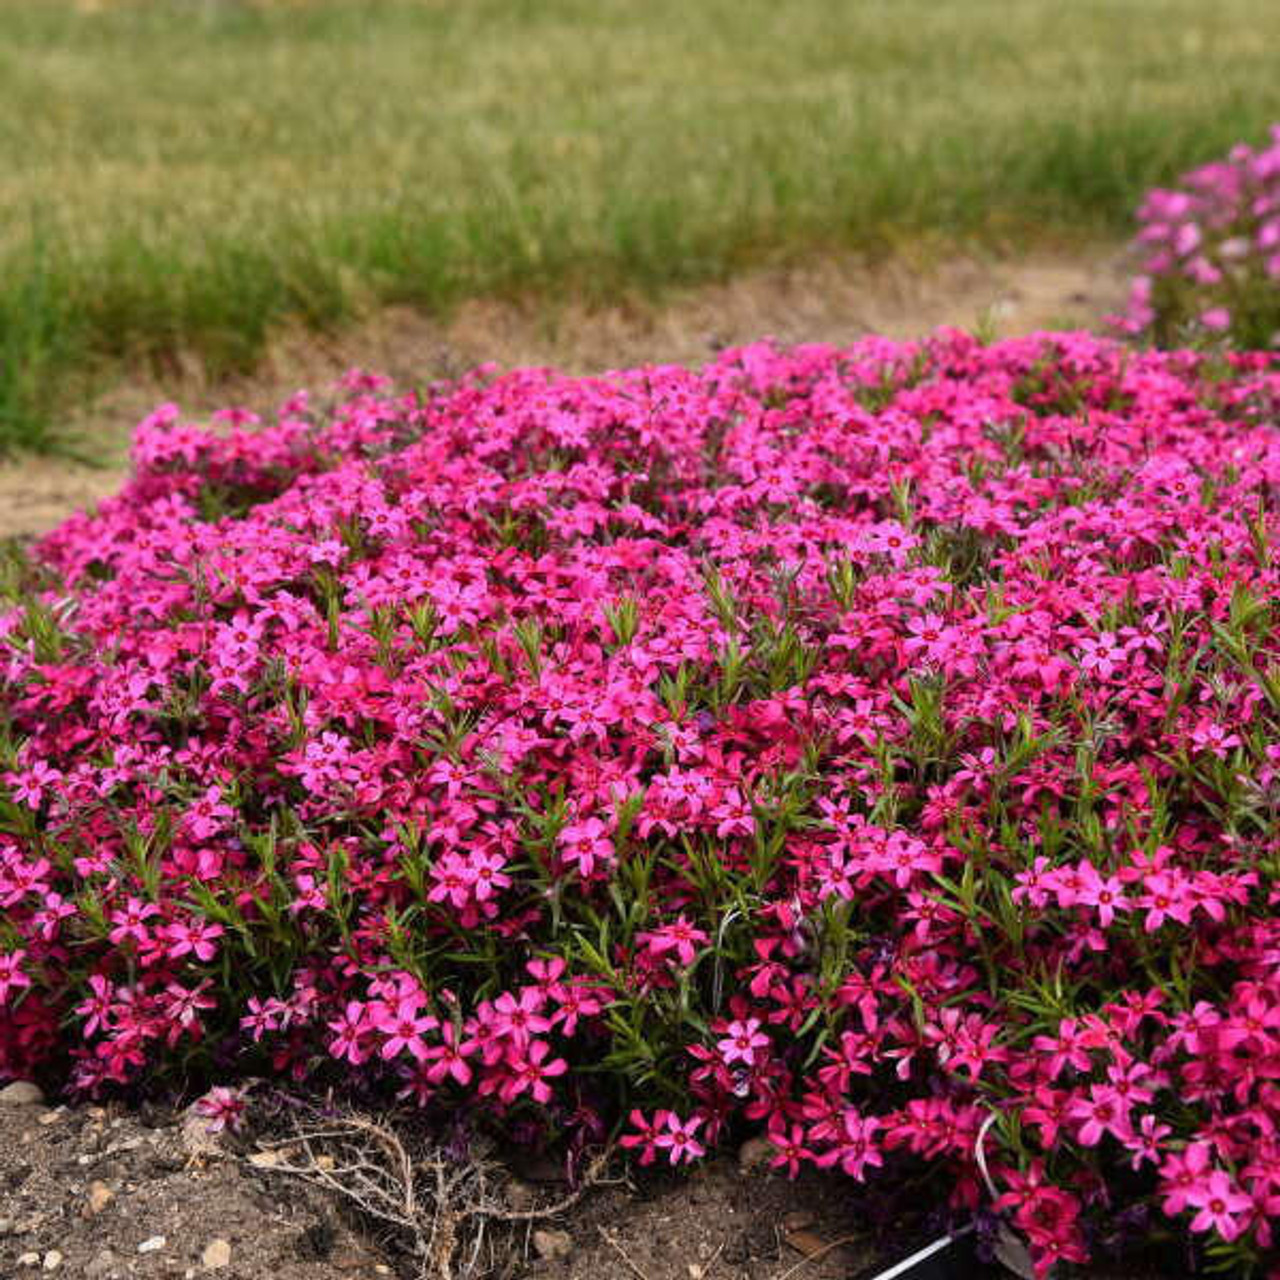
pixel 742 1039
pixel 351 1030
pixel 12 977
pixel 402 1025
pixel 530 1073
pixel 932 637
pixel 646 1135
pixel 128 921
pixel 1220 1203
pixel 586 843
pixel 1103 1111
pixel 680 936
pixel 1107 894
pixel 677 1138
pixel 449 1057
pixel 789 1151
pixel 1103 656
pixel 222 1108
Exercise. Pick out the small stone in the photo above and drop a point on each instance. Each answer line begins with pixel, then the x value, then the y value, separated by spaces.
pixel 152 1243
pixel 52 1260
pixel 217 1254
pixel 28 1259
pixel 382 1269
pixel 753 1153
pixel 100 1265
pixel 21 1093
pixel 552 1244
pixel 100 1195
pixel 695 1271
pixel 52 1117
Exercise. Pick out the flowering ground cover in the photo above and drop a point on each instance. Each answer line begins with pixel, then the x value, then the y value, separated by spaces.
pixel 1212 253
pixel 875 748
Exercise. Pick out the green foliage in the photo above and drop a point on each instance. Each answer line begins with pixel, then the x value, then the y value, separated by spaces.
pixel 182 178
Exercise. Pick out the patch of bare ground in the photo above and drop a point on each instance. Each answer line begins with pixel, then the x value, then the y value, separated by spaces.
pixel 96 1193
pixel 107 1193
pixel 835 300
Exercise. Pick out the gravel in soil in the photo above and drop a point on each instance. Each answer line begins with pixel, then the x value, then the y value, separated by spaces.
pixel 104 1194
pixel 719 1222
pixel 93 1193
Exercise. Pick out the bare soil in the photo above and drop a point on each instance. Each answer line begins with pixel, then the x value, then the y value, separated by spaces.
pixel 97 1194
pixel 107 1193
pixel 836 300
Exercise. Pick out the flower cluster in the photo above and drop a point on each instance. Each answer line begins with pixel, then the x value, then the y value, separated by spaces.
pixel 1211 255
pixel 874 747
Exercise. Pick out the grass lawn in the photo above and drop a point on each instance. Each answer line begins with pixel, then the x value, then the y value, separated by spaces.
pixel 181 176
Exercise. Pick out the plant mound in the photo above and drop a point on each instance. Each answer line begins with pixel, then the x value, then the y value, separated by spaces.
pixel 1211 269
pixel 874 746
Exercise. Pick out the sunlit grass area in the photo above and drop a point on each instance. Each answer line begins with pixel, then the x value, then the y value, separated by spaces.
pixel 181 176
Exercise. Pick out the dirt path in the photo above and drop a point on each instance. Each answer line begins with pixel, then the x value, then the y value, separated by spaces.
pixel 833 301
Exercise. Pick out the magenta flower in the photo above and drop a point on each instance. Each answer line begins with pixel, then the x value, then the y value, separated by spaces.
pixel 1220 1204
pixel 741 1041
pixel 222 1108
pixel 677 1138
pixel 531 1072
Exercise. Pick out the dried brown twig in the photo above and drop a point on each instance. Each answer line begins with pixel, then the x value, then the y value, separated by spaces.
pixel 442 1208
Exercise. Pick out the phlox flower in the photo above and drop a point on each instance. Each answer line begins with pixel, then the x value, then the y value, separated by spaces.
pixel 530 1072
pixel 30 787
pixel 578 1001
pixel 680 936
pixel 519 1018
pixel 128 921
pixel 789 1151
pixel 855 1149
pixel 1164 899
pixel 931 637
pixel 1104 893
pixel 645 1137
pixel 1147 1142
pixel 585 843
pixel 191 937
pixel 741 1041
pixel 12 977
pixel 677 1138
pixel 1219 1203
pixel 402 1025
pixel 351 1032
pixel 222 1108
pixel 1103 1110
pixel 448 1059
pixel 1104 655
pixel 1217 739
